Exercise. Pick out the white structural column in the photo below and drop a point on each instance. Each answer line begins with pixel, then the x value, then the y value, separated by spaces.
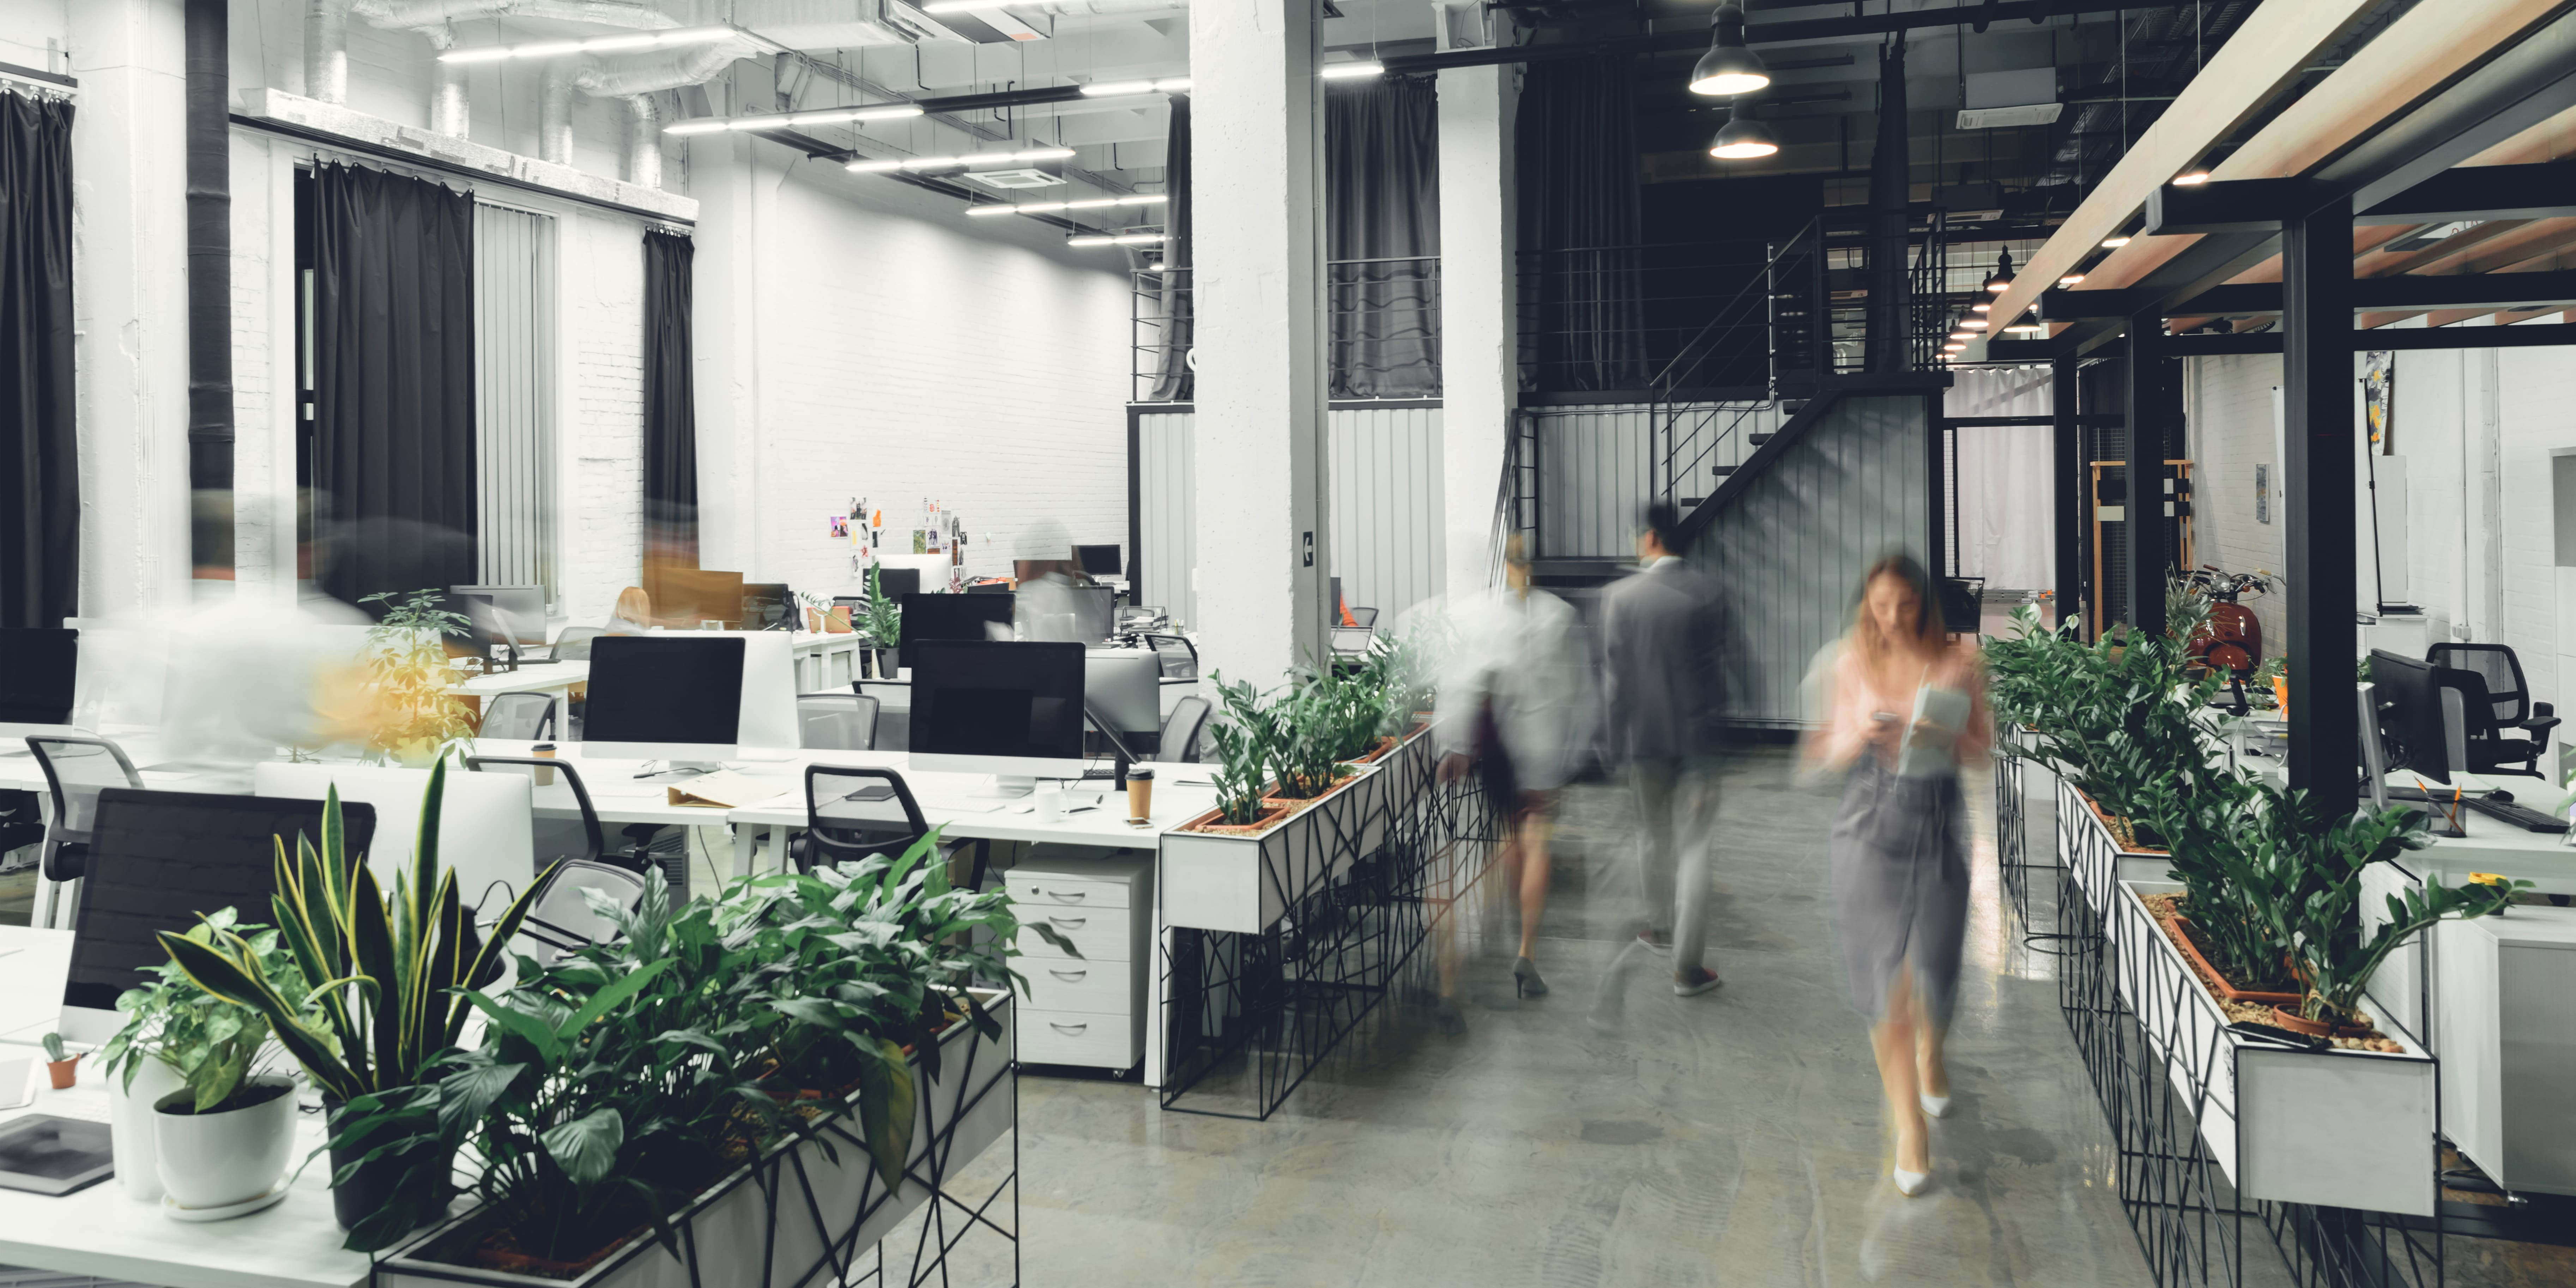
pixel 130 276
pixel 1256 159
pixel 737 203
pixel 1479 371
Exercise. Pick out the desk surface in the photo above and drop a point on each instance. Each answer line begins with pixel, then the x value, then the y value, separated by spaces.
pixel 33 963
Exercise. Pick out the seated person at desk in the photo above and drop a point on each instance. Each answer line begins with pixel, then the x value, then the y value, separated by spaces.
pixel 633 614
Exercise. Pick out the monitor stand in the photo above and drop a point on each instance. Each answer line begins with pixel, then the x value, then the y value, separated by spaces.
pixel 1004 787
pixel 676 768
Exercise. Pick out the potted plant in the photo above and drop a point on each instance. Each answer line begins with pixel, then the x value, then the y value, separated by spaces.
pixel 882 623
pixel 416 719
pixel 384 976
pixel 60 1065
pixel 179 1037
pixel 1247 746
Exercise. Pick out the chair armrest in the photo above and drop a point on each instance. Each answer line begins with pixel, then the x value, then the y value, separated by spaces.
pixel 2540 725
pixel 2542 711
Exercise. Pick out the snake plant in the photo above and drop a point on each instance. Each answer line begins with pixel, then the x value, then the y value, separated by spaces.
pixel 387 976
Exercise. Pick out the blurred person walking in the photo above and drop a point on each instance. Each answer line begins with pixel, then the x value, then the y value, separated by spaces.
pixel 1904 710
pixel 1663 633
pixel 1520 699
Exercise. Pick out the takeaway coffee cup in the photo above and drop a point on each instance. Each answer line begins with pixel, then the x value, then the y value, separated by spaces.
pixel 1140 795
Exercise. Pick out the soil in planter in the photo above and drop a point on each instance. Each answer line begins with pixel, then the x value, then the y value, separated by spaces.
pixel 2162 907
pixel 1280 792
pixel 183 1103
pixel 2171 915
pixel 1213 821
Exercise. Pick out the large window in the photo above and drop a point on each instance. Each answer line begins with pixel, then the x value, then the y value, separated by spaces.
pixel 514 337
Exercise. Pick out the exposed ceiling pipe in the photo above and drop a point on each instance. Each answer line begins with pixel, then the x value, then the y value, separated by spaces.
pixel 695 65
pixel 554 113
pixel 643 141
pixel 451 110
pixel 326 50
pixel 407 15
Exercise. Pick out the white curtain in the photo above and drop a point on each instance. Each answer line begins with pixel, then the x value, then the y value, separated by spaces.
pixel 2004 491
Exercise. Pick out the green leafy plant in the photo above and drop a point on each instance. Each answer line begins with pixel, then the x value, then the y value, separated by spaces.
pixel 417 720
pixel 1247 746
pixel 54 1049
pixel 882 618
pixel 212 1043
pixel 2115 719
pixel 382 973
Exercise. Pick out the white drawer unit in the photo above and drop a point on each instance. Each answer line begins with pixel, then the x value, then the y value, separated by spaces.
pixel 2505 1007
pixel 1086 1010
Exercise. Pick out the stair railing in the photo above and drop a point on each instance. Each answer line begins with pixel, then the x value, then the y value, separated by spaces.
pixel 1786 303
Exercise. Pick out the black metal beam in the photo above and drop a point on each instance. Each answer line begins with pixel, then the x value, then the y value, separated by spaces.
pixel 2067 471
pixel 2319 559
pixel 2369 294
pixel 1695 38
pixel 2234 206
pixel 2542 191
pixel 2143 510
pixel 2528 335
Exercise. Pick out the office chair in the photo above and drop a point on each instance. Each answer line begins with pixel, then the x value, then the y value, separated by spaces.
pixel 574 644
pixel 76 771
pixel 836 721
pixel 1364 617
pixel 1180 738
pixel 842 824
pixel 519 715
pixel 593 842
pixel 560 919
pixel 1179 657
pixel 2495 701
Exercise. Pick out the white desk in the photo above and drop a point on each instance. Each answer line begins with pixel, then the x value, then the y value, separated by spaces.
pixel 33 964
pixel 2493 845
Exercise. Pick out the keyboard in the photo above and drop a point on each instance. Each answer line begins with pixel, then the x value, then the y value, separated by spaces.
pixel 2521 816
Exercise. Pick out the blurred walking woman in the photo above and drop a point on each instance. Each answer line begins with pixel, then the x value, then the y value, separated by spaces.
pixel 1905 710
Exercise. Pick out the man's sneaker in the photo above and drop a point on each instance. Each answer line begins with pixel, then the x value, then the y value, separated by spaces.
pixel 1695 981
pixel 1656 940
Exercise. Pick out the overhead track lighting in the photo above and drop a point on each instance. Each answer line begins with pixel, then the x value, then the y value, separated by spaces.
pixel 1352 70
pixel 970 159
pixel 1742 138
pixel 1120 89
pixel 1122 239
pixel 1092 203
pixel 2002 280
pixel 1728 67
pixel 791 120
pixel 595 45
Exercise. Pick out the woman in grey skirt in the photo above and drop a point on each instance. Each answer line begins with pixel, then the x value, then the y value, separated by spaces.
pixel 1905 709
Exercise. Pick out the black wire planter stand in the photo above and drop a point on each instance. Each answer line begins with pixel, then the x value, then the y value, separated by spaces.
pixel 802 1216
pixel 1278 947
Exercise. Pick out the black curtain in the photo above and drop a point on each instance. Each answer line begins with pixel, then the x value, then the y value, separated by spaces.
pixel 1382 236
pixel 1583 327
pixel 39 462
pixel 393 348
pixel 670 404
pixel 1173 381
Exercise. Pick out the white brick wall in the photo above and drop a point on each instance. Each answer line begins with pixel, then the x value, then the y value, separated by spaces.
pixel 2229 410
pixel 599 494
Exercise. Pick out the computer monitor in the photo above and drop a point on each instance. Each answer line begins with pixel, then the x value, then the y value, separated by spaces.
pixel 2374 750
pixel 951 617
pixel 1099 561
pixel 156 860
pixel 1009 708
pixel 511 614
pixel 665 697
pixel 1028 570
pixel 2410 699
pixel 769 606
pixel 898 582
pixel 39 667
pixel 1122 692
pixel 684 597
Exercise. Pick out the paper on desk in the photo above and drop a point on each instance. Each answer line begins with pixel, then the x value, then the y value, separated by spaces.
pixel 724 789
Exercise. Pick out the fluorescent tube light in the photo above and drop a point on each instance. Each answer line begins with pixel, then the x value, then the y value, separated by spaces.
pixel 1091 203
pixel 2114 243
pixel 2024 329
pixel 788 120
pixel 1115 89
pixel 2195 177
pixel 1122 239
pixel 2070 279
pixel 972 158
pixel 1352 70
pixel 598 44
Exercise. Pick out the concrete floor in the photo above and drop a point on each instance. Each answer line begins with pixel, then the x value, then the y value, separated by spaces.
pixel 1735 1138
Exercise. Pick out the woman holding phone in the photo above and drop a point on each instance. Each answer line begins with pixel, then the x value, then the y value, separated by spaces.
pixel 1906 709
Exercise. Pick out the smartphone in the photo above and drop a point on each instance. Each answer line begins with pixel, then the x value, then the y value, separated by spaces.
pixel 877 792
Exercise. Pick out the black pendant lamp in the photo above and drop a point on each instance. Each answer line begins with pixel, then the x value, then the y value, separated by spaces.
pixel 1728 67
pixel 2003 278
pixel 1743 137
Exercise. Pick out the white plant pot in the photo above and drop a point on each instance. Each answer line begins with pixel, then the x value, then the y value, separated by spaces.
pixel 218 1160
pixel 1218 881
pixel 732 1232
pixel 129 1122
pixel 2085 846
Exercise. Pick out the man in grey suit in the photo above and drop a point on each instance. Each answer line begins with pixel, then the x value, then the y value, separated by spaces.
pixel 1663 631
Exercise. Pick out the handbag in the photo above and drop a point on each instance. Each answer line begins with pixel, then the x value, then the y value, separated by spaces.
pixel 1494 762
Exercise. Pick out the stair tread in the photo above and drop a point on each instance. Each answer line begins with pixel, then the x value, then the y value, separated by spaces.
pixel 1721 469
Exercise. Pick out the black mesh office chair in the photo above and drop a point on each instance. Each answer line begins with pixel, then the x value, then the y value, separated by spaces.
pixel 2506 731
pixel 1181 729
pixel 1179 657
pixel 574 644
pixel 836 721
pixel 550 846
pixel 519 715
pixel 561 919
pixel 76 771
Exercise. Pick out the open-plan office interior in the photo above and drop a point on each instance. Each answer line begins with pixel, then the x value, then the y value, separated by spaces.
pixel 657 643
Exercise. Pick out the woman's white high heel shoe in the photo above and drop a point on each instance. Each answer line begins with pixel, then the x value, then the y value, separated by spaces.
pixel 1908 1183
pixel 1933 1106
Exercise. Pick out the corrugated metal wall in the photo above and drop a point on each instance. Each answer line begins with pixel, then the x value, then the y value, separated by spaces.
pixel 514 339
pixel 1597 467
pixel 1386 507
pixel 1791 549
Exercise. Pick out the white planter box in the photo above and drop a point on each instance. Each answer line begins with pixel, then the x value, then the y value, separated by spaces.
pixel 731 1231
pixel 1213 881
pixel 2335 1128
pixel 2098 864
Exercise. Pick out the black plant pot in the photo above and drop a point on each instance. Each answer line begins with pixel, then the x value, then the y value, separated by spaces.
pixel 366 1193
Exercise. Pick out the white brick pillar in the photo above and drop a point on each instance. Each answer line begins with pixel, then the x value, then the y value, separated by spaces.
pixel 737 210
pixel 130 284
pixel 1256 178
pixel 1479 367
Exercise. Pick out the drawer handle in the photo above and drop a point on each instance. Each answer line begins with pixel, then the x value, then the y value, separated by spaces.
pixel 1075 896
pixel 1067 975
pixel 1071 923
pixel 1068 1028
